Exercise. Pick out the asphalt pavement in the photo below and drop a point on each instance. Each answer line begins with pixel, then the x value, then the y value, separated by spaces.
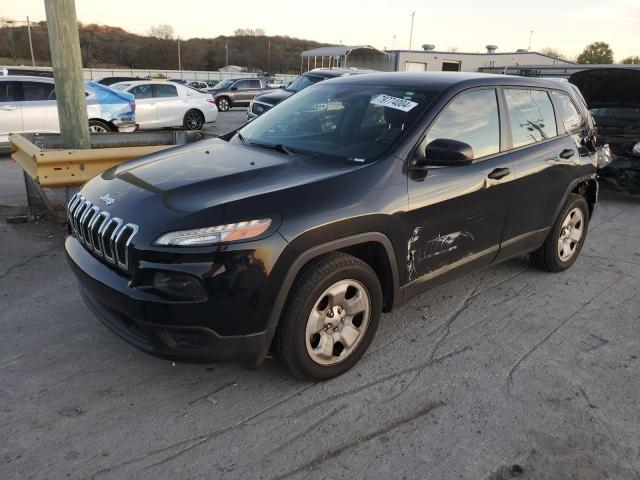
pixel 509 372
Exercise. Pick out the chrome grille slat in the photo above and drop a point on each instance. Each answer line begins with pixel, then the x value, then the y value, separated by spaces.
pixel 101 234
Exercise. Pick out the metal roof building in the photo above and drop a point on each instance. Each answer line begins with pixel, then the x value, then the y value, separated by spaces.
pixel 345 56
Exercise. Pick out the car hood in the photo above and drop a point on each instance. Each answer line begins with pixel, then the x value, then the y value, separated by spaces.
pixel 609 87
pixel 185 183
pixel 273 98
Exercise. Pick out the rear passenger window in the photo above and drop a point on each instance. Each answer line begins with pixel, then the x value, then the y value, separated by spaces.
pixel 471 118
pixel 571 118
pixel 163 91
pixel 255 84
pixel 37 91
pixel 532 116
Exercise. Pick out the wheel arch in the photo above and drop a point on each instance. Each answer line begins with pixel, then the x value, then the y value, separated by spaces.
pixel 586 186
pixel 374 248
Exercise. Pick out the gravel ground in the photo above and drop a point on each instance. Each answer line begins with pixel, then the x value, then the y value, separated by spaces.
pixel 505 373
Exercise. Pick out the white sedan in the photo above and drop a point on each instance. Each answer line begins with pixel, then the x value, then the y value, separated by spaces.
pixel 161 104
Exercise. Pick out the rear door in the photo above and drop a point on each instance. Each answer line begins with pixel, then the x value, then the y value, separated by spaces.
pixel 545 158
pixel 170 108
pixel 10 113
pixel 457 213
pixel 146 115
pixel 39 107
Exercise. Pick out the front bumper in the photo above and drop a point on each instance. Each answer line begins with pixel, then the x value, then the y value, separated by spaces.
pixel 174 330
pixel 125 126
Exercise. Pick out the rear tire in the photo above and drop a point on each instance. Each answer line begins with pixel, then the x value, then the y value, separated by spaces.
pixel 564 242
pixel 98 126
pixel 193 120
pixel 330 319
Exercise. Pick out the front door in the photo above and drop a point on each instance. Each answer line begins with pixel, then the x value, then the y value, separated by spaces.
pixel 10 117
pixel 456 213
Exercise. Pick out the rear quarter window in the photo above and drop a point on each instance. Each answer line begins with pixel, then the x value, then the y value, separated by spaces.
pixel 570 115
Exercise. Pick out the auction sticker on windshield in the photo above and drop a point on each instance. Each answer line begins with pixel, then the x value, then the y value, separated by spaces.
pixel 393 102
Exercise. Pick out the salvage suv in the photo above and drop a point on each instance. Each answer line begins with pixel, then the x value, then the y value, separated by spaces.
pixel 292 234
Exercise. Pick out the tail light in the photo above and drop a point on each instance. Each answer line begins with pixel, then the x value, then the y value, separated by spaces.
pixel 132 104
pixel 211 100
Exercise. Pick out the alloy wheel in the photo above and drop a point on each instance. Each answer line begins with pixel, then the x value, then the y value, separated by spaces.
pixel 193 121
pixel 570 234
pixel 338 322
pixel 97 129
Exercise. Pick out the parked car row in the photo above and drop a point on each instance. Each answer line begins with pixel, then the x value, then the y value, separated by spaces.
pixel 28 104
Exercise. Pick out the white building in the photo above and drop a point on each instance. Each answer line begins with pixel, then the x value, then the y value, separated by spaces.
pixel 437 61
pixel 426 60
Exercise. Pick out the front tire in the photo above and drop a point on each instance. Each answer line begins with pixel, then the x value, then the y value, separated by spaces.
pixel 564 243
pixel 98 126
pixel 193 120
pixel 223 104
pixel 331 317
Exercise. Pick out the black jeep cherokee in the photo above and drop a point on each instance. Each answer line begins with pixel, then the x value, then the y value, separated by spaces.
pixel 294 233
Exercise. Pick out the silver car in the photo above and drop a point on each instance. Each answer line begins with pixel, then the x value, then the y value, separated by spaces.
pixel 28 104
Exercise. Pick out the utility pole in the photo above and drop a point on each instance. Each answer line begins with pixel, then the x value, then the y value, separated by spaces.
pixel 269 57
pixel 393 45
pixel 530 37
pixel 411 32
pixel 179 60
pixel 33 61
pixel 67 72
pixel 226 53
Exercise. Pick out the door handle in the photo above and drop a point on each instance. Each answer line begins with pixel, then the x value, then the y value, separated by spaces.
pixel 499 173
pixel 8 107
pixel 567 153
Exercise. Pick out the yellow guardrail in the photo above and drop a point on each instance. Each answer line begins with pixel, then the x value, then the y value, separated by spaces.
pixel 42 159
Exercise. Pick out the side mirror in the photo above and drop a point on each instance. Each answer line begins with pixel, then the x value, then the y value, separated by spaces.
pixel 443 152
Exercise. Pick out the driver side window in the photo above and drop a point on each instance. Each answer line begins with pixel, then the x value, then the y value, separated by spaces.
pixel 471 118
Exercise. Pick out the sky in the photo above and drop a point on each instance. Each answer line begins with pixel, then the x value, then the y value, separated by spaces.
pixel 466 25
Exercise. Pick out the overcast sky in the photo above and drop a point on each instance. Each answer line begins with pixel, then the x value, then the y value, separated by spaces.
pixel 468 25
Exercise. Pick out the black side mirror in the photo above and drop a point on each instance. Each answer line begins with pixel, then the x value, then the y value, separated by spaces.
pixel 443 152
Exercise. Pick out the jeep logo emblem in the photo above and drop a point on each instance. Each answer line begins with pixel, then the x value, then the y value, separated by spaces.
pixel 108 199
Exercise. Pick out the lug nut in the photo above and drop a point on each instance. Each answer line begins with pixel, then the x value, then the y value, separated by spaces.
pixel 330 314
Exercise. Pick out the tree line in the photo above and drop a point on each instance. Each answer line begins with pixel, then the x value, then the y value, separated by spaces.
pixel 594 53
pixel 112 47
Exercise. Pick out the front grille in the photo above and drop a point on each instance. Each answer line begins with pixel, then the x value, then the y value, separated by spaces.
pixel 260 107
pixel 104 236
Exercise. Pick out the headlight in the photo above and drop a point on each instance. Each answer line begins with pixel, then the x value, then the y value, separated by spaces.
pixel 604 156
pixel 212 235
pixel 636 148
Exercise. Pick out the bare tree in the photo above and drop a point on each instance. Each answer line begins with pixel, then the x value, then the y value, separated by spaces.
pixel 163 32
pixel 249 32
pixel 554 52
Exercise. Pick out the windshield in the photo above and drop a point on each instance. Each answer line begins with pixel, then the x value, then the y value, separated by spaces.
pixel 354 121
pixel 619 113
pixel 302 82
pixel 224 84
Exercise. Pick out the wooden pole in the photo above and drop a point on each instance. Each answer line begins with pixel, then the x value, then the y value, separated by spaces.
pixel 67 71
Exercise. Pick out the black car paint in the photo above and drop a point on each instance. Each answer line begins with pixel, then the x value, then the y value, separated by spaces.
pixel 383 211
pixel 615 87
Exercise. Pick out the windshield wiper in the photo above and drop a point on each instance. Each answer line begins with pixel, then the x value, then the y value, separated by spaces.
pixel 279 147
pixel 240 137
